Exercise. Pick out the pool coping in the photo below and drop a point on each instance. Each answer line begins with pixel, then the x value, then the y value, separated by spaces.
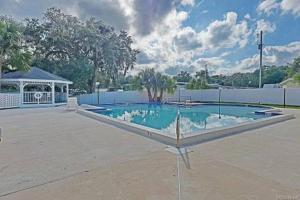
pixel 192 138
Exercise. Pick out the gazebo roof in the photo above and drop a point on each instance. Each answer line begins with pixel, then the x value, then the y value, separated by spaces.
pixel 34 74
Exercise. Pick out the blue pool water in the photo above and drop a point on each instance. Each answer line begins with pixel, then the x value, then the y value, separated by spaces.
pixel 192 118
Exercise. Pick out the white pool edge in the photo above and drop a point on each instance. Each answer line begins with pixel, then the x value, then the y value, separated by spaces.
pixel 191 139
pixel 212 134
pixel 135 128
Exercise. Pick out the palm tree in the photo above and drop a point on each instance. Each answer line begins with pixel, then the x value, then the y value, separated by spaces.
pixel 154 83
pixel 164 83
pixel 148 80
pixel 14 54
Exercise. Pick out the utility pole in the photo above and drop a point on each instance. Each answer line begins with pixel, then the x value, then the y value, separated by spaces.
pixel 260 47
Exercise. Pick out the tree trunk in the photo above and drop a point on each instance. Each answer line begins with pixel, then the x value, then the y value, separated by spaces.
pixel 149 95
pixel 161 95
pixel 155 94
pixel 93 81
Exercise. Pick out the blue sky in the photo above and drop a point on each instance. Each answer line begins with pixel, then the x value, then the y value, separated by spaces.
pixel 175 35
pixel 208 11
pixel 286 24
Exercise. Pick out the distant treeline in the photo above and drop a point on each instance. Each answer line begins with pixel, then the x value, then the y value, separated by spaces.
pixel 270 75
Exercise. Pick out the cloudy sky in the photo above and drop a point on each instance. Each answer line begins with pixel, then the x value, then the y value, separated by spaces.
pixel 175 35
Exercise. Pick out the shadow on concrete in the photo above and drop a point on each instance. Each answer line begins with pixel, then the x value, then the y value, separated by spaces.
pixel 185 157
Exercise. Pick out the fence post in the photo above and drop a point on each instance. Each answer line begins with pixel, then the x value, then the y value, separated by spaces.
pixel 284 97
pixel 219 103
pixel 219 95
pixel 21 93
pixel 98 96
pixel 98 92
pixel 178 129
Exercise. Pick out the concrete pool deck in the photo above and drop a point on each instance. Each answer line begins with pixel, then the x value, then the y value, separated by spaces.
pixel 49 153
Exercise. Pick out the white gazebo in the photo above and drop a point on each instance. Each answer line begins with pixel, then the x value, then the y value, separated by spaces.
pixel 37 87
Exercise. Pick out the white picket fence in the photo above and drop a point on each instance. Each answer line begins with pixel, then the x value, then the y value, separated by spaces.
pixel 280 96
pixel 8 100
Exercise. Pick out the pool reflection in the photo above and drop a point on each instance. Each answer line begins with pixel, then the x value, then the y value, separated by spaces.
pixel 196 118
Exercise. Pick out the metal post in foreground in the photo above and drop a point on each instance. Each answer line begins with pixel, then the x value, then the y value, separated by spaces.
pixel 284 97
pixel 219 103
pixel 98 95
pixel 178 177
pixel 178 156
pixel 98 92
pixel 219 95
pixel 0 134
pixel 178 129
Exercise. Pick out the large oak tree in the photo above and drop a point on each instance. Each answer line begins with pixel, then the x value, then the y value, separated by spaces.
pixel 65 39
pixel 14 52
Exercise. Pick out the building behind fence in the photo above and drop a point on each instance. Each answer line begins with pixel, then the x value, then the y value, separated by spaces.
pixel 279 96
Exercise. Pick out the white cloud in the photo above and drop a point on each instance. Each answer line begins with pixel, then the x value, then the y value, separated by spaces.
pixel 225 33
pixel 188 2
pixel 171 48
pixel 272 55
pixel 292 6
pixel 285 6
pixel 280 55
pixel 246 65
pixel 247 16
pixel 214 64
pixel 219 34
pixel 265 26
pixel 267 6
pixel 159 46
pixel 187 39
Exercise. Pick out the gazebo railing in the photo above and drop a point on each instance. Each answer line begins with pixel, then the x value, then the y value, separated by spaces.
pixel 31 98
pixel 9 100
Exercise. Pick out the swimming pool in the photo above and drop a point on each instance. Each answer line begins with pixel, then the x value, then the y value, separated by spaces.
pixel 192 118
pixel 198 123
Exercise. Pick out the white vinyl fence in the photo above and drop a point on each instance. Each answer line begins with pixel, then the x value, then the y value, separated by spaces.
pixel 8 100
pixel 264 96
pixel 280 96
pixel 114 97
pixel 289 96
